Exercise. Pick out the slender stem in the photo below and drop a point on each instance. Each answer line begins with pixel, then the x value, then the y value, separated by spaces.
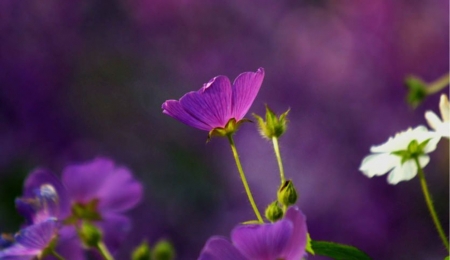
pixel 104 251
pixel 438 84
pixel 434 216
pixel 57 256
pixel 244 180
pixel 276 148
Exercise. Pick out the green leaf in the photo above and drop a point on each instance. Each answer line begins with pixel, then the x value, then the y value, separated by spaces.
pixel 338 251
pixel 447 258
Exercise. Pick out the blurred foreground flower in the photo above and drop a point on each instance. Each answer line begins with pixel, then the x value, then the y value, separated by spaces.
pixel 100 192
pixel 285 239
pixel 96 192
pixel 217 102
pixel 440 125
pixel 399 154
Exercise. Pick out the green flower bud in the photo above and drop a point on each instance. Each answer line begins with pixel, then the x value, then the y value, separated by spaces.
pixel 90 234
pixel 273 212
pixel 163 251
pixel 273 126
pixel 287 195
pixel 142 252
pixel 417 90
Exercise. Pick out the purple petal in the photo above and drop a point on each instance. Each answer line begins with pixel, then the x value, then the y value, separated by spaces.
pixel 295 248
pixel 115 227
pixel 130 191
pixel 84 180
pixel 174 109
pixel 36 187
pixel 31 240
pixel 69 245
pixel 245 89
pixel 37 236
pixel 218 248
pixel 211 104
pixel 264 242
pixel 26 209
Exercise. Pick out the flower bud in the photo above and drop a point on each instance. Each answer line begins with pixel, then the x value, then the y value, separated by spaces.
pixel 287 195
pixel 273 126
pixel 273 212
pixel 417 91
pixel 142 252
pixel 90 234
pixel 163 250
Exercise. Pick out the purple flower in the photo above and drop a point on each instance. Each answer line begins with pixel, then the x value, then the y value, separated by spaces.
pixel 100 191
pixel 97 191
pixel 31 241
pixel 285 239
pixel 217 102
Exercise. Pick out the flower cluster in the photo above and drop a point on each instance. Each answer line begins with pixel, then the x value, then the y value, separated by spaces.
pixel 219 108
pixel 85 208
pixel 57 212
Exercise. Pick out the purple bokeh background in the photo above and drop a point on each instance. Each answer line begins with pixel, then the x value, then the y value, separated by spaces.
pixel 80 79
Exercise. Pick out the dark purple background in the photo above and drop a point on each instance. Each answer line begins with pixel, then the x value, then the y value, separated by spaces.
pixel 80 79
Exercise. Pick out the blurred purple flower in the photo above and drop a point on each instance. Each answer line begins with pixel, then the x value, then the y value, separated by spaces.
pixel 108 190
pixel 285 239
pixel 96 191
pixel 31 241
pixel 217 101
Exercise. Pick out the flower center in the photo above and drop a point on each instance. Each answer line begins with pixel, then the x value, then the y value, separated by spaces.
pixel 86 211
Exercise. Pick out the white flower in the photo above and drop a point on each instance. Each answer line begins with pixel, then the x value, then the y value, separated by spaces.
pixel 441 126
pixel 397 155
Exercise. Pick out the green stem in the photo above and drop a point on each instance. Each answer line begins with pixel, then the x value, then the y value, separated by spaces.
pixel 244 180
pixel 276 148
pixel 104 251
pixel 438 84
pixel 434 216
pixel 57 256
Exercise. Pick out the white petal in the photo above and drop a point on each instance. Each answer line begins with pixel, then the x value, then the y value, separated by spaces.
pixel 403 172
pixel 378 164
pixel 424 160
pixel 444 106
pixel 388 146
pixel 444 130
pixel 433 120
pixel 432 144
